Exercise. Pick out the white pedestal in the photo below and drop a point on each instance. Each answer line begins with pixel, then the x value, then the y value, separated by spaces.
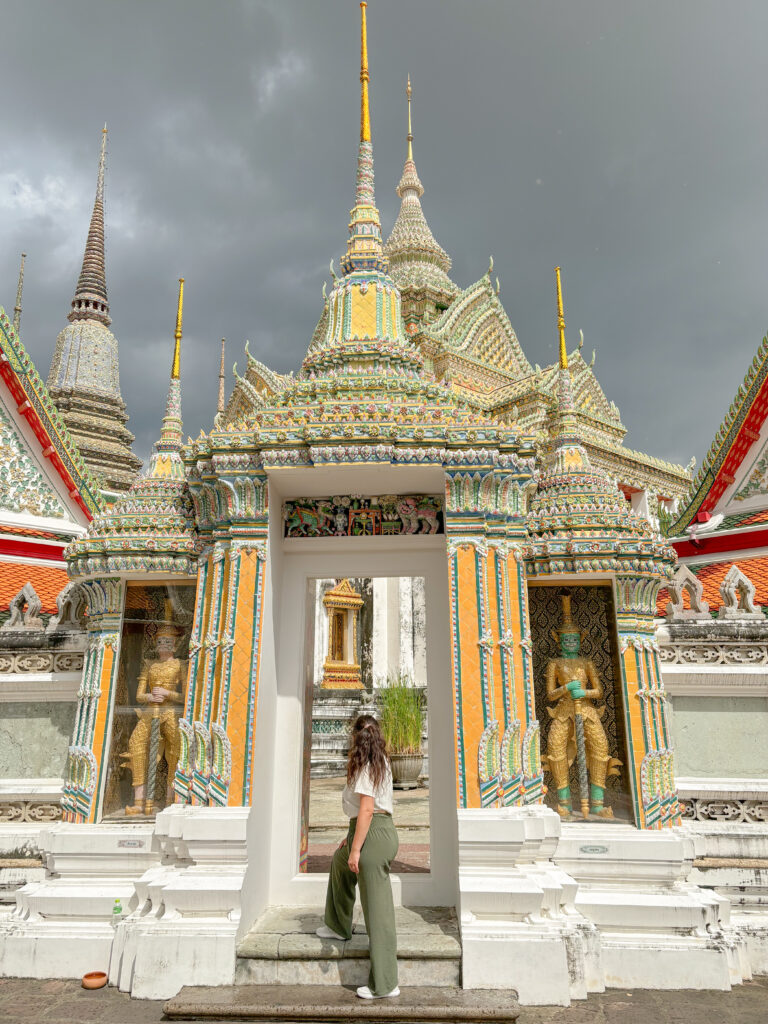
pixel 179 881
pixel 556 911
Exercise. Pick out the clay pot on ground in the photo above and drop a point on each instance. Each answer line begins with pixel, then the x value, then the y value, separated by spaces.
pixel 94 979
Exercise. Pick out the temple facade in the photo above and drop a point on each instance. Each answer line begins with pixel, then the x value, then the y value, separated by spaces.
pixel 414 443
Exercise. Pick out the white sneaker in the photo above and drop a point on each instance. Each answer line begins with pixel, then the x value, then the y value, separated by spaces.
pixel 324 932
pixel 365 993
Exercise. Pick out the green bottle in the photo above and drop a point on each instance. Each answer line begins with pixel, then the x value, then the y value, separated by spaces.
pixel 117 911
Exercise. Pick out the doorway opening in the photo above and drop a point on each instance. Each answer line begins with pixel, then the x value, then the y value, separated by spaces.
pixel 365 653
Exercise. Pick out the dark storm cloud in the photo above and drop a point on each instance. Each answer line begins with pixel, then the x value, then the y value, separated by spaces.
pixel 626 142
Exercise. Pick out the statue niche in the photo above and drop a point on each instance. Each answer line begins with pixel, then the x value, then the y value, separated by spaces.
pixel 341 668
pixel 160 687
pixel 576 732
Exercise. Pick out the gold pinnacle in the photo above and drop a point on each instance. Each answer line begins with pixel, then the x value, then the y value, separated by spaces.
pixel 365 113
pixel 177 333
pixel 561 322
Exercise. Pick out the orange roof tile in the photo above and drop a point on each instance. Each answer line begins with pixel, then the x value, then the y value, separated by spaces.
pixel 48 583
pixel 758 517
pixel 25 531
pixel 713 575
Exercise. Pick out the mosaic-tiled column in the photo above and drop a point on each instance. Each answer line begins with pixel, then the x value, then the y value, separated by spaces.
pixel 225 653
pixel 86 760
pixel 496 733
pixel 184 770
pixel 649 739
pixel 520 761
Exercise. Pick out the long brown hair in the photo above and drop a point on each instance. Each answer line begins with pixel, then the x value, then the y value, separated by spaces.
pixel 367 749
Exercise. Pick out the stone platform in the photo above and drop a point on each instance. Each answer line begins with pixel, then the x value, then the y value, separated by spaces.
pixel 282 949
pixel 321 1003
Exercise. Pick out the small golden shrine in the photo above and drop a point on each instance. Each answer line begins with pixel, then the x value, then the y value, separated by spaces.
pixel 341 669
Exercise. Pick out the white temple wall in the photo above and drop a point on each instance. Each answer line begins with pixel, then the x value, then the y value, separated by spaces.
pixel 419 622
pixel 321 628
pixel 715 673
pixel 721 736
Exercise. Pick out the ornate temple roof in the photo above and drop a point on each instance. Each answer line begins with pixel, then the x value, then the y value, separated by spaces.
pixel 722 473
pixel 84 378
pixel 417 263
pixel 151 528
pixel 578 519
pixel 363 395
pixel 476 326
pixel 35 404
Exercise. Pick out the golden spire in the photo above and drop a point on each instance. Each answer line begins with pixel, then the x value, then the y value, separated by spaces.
pixel 365 113
pixel 177 333
pixel 408 92
pixel 19 289
pixel 561 322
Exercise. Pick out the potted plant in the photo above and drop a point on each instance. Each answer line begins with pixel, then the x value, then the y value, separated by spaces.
pixel 400 717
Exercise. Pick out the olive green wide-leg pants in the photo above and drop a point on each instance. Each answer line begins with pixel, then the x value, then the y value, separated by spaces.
pixel 379 850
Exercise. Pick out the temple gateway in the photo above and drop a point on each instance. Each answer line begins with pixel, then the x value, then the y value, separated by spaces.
pixel 419 524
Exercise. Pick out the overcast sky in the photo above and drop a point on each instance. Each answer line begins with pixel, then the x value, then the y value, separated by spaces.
pixel 627 142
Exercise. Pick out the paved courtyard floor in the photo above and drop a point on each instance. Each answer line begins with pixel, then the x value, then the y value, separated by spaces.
pixel 328 825
pixel 65 1002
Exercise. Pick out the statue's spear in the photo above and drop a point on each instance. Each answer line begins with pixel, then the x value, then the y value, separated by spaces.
pixel 581 750
pixel 154 747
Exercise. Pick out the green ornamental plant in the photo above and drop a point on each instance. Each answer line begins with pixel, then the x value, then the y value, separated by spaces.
pixel 400 715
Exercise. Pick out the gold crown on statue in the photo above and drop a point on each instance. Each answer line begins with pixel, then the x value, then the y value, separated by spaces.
pixel 568 624
pixel 169 627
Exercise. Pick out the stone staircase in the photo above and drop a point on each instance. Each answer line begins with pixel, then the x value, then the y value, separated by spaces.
pixel 282 949
pixel 324 1004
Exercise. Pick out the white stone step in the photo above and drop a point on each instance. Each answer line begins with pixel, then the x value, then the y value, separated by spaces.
pixel 282 949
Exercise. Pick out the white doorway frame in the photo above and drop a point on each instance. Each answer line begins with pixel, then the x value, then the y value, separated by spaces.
pixel 273 877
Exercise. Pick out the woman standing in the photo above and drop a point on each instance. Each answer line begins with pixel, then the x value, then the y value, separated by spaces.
pixel 365 856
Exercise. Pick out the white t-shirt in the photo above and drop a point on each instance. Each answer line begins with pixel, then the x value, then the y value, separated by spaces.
pixel 362 785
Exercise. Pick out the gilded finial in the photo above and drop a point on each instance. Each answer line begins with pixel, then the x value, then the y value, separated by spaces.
pixel 365 113
pixel 222 379
pixel 561 322
pixel 408 92
pixel 19 289
pixel 177 333
pixel 581 339
pixel 490 265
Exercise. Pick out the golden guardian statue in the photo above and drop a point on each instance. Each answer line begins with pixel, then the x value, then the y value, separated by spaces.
pixel 161 688
pixel 577 732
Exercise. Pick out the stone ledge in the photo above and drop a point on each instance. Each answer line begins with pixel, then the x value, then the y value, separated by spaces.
pixel 288 933
pixel 349 971
pixel 322 1003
